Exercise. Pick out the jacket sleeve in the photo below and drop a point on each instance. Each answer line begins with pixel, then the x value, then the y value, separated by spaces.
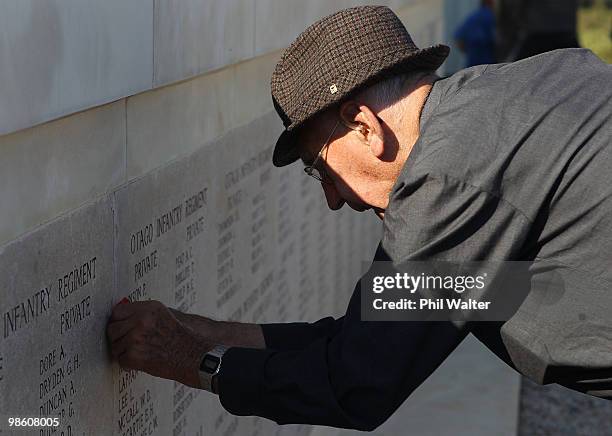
pixel 296 335
pixel 355 378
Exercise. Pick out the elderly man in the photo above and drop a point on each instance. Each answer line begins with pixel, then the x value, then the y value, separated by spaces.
pixel 497 162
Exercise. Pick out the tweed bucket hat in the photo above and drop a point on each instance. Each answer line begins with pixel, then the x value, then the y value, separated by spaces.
pixel 336 57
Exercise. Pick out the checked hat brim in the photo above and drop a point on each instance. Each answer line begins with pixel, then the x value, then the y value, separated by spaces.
pixel 402 60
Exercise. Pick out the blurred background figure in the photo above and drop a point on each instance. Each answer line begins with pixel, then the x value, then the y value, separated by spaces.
pixel 530 27
pixel 476 35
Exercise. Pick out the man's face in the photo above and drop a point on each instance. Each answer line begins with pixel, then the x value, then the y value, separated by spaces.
pixel 344 162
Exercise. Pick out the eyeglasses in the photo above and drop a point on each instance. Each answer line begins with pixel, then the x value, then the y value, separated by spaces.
pixel 319 173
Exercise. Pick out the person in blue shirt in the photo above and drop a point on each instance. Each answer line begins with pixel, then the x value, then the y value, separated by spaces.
pixel 476 36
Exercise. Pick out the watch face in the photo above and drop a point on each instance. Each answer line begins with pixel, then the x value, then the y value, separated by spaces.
pixel 209 364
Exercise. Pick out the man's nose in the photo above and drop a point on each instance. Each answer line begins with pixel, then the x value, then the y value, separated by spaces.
pixel 334 200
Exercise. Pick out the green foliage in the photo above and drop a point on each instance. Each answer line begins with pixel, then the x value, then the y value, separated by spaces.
pixel 595 29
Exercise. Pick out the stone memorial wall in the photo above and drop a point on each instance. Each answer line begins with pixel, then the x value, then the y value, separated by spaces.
pixel 220 233
pixel 57 286
pixel 152 179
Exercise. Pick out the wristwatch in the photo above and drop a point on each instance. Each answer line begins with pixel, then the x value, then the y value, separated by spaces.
pixel 210 366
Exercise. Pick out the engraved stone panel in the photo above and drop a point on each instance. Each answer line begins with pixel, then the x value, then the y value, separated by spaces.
pixel 204 235
pixel 56 286
pixel 221 233
pixel 246 216
pixel 164 247
pixel 287 242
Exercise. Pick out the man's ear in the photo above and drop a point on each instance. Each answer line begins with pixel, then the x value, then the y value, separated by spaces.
pixel 359 117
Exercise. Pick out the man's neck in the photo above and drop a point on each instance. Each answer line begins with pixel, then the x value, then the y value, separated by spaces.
pixel 407 129
pixel 415 103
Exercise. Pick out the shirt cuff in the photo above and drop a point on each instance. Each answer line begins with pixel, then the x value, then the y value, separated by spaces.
pixel 239 380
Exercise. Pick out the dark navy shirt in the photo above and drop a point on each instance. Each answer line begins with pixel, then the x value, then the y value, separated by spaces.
pixel 513 162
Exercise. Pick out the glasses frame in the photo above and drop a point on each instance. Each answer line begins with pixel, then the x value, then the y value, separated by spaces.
pixel 319 173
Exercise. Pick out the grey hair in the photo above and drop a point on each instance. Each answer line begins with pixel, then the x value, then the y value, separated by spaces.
pixel 389 92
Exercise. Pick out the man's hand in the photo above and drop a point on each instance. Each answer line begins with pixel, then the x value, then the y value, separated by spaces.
pixel 147 336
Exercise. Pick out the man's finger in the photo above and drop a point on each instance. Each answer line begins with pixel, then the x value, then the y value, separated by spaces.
pixel 130 360
pixel 124 344
pixel 123 310
pixel 133 338
pixel 118 329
